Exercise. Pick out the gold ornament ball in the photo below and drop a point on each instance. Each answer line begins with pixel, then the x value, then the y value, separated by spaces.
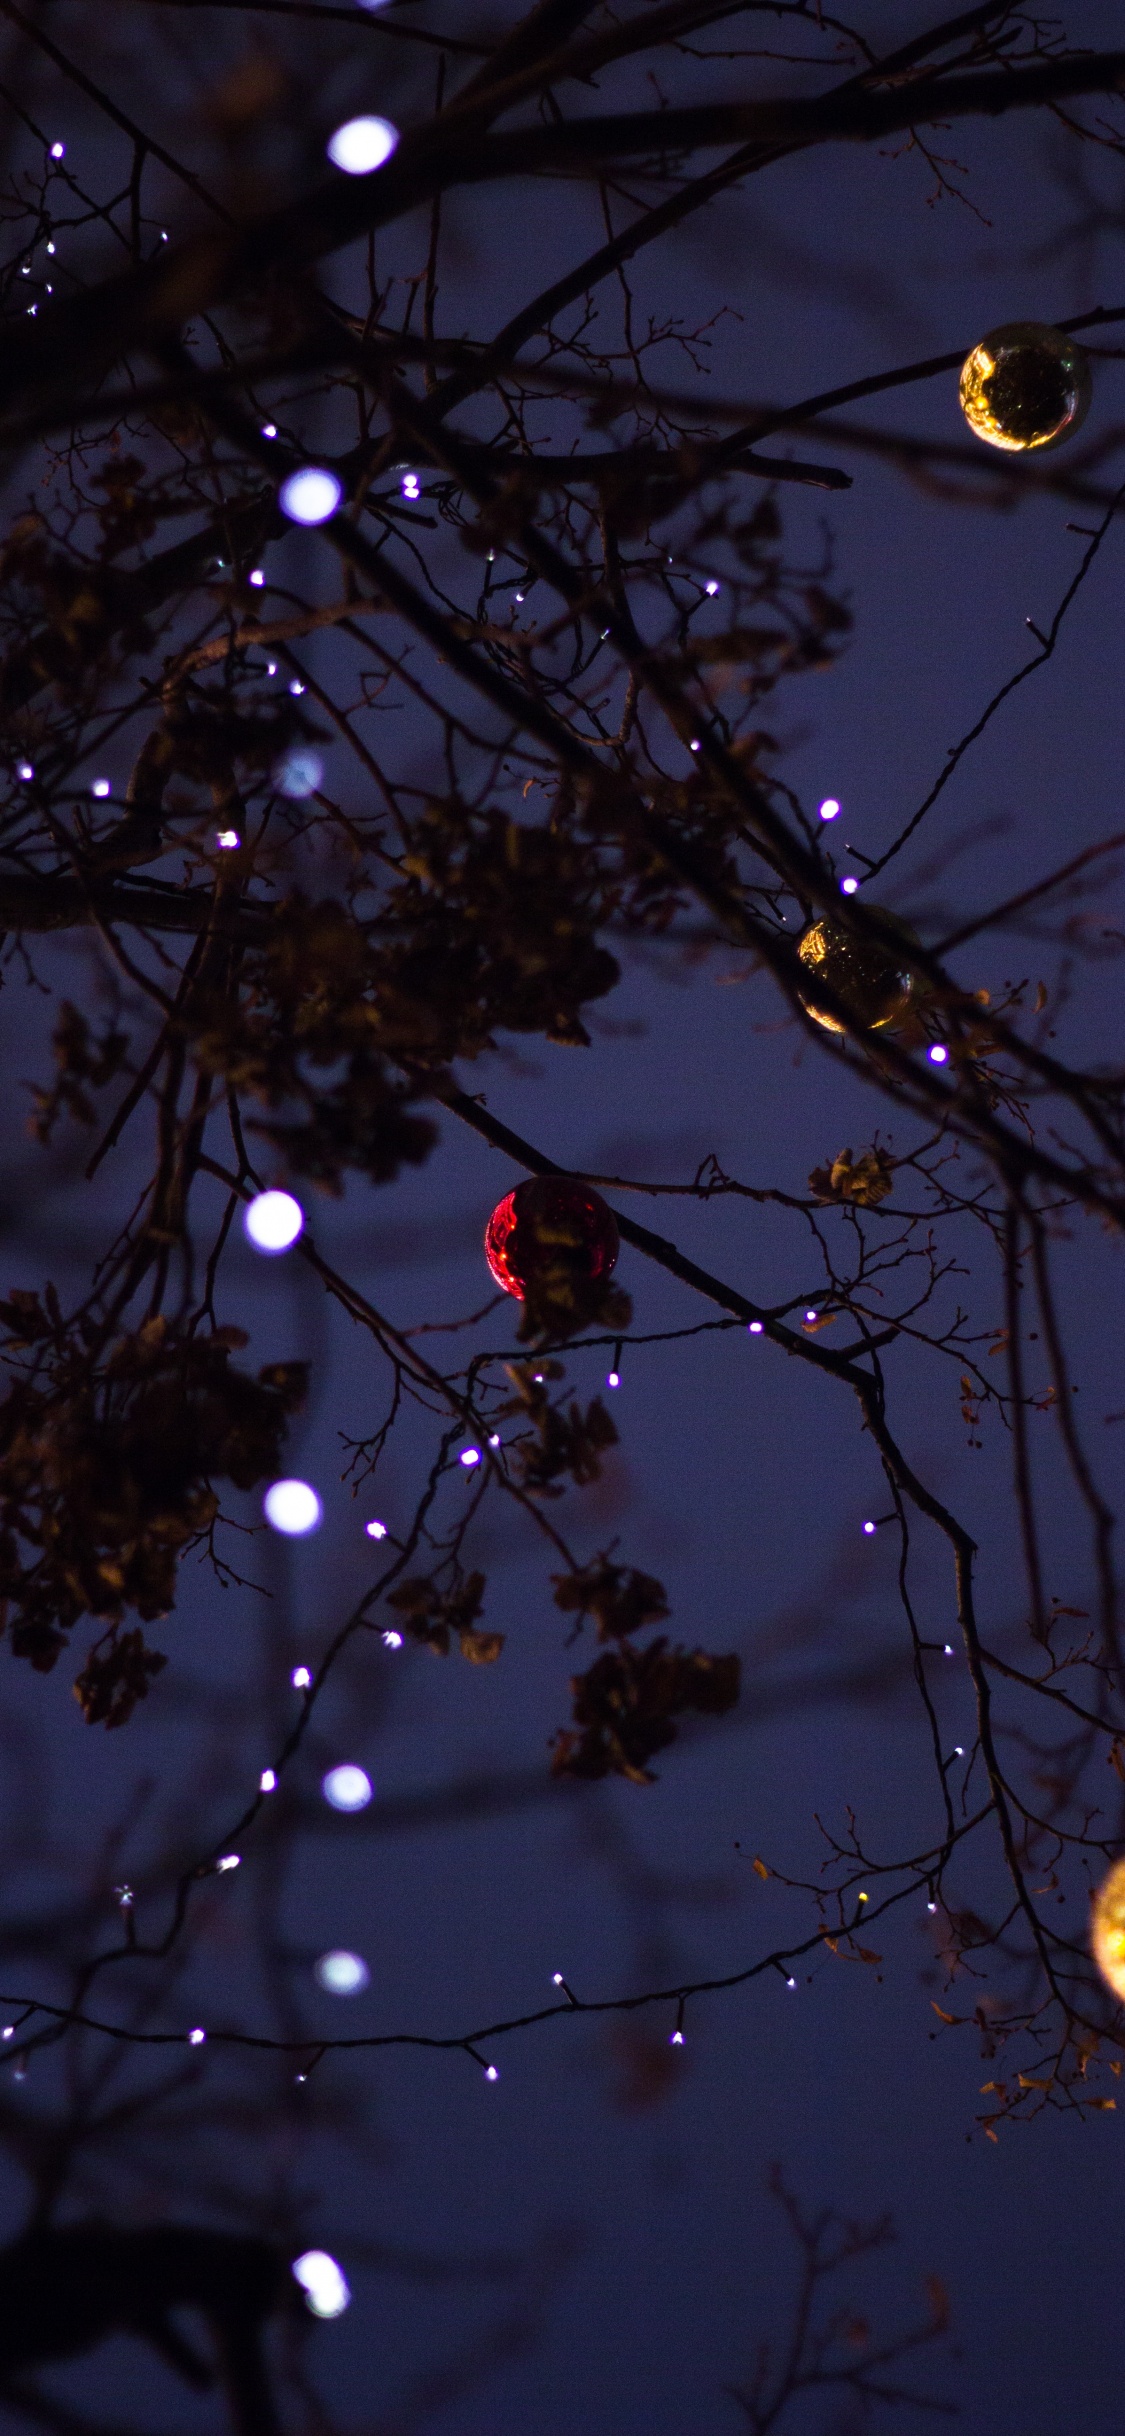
pixel 865 978
pixel 1025 386
pixel 1107 1930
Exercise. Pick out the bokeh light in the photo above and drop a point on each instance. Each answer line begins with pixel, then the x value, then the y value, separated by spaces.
pixel 311 495
pixel 324 2284
pixel 293 1508
pixel 341 1974
pixel 361 145
pixel 273 1221
pixel 347 1787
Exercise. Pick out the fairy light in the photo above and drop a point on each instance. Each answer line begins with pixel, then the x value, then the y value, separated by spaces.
pixel 58 152
pixel 300 1678
pixel 230 1860
pixel 695 746
pixel 376 1530
pixel 948 1650
pixel 830 808
pixel 869 1527
pixel 324 2284
pixel 495 1439
pixel 311 495
pixel 267 1782
pixel 273 1221
pixel 9 2030
pixel 755 1328
pixel 711 589
pixel 362 145
pixel 25 770
pixel 341 1973
pixel 293 1508
pixel 227 839
pixel 196 2038
pixel 677 2039
pixel 257 575
pixel 790 1983
pixel 613 1378
pixel 299 772
pixel 410 487
pixel 931 1907
pixel 848 887
pixel 295 686
pixel 392 1640
pixel 811 1318
pixel 269 431
pixel 862 1898
pixel 471 1455
pixel 939 1055
pixel 347 1787
pixel 491 2073
pixel 102 786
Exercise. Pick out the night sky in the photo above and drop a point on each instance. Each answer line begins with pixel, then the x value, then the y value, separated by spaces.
pixel 589 2243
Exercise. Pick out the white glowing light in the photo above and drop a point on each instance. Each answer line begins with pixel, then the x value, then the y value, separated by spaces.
pixel 694 745
pixel 948 1650
pixel 323 2283
pixel 228 839
pixel 195 2038
pixel 102 786
pixel 677 2039
pixel 257 575
pixel 471 1455
pixel 300 1678
pixel 958 1750
pixel 269 431
pixel 848 887
pixel 755 1328
pixel 931 1907
pixel 272 1221
pixel 790 1983
pixel 613 1378
pixel 341 1974
pixel 412 489
pixel 869 1527
pixel 711 588
pixel 311 495
pixel 938 1055
pixel 25 771
pixel 230 1860
pixel 50 245
pixel 292 1507
pixel 58 152
pixel 267 1782
pixel 361 145
pixel 295 686
pixel 347 1788
pixel 829 808
pixel 298 773
pixel 8 2031
pixel 810 1316
pixel 556 1982
pixel 392 1640
pixel 376 1530
pixel 491 2073
pixel 271 668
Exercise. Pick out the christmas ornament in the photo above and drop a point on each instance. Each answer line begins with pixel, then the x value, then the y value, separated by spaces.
pixel 1107 1932
pixel 550 1230
pixel 865 977
pixel 1025 386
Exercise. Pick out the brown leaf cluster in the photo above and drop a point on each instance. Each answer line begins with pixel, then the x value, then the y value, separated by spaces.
pixel 626 1703
pixel 108 1459
pixel 866 1180
pixel 434 1617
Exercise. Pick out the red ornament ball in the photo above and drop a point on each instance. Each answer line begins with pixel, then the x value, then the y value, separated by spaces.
pixel 548 1223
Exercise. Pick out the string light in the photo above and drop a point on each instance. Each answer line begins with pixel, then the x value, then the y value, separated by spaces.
pixel 347 1787
pixel 102 786
pixel 829 808
pixel 392 1640
pixel 58 152
pixel 362 145
pixel 311 495
pixel 411 488
pixel 25 771
pixel 495 1438
pixel 376 1530
pixel 299 772
pixel 195 2038
pixel 491 2073
pixel 869 1527
pixel 227 839
pixel 325 2286
pixel 230 1860
pixel 267 1782
pixel 341 1973
pixel 9 2030
pixel 948 1651
pixel 293 1508
pixel 790 1983
pixel 300 1678
pixel 295 686
pixel 677 2039
pixel 848 887
pixel 613 1378
pixel 755 1328
pixel 269 431
pixel 273 1221
pixel 257 575
pixel 470 1456
pixel 711 588
pixel 938 1055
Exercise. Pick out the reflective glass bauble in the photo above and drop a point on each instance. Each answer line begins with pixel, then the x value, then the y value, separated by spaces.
pixel 1107 1932
pixel 865 978
pixel 550 1228
pixel 1025 386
